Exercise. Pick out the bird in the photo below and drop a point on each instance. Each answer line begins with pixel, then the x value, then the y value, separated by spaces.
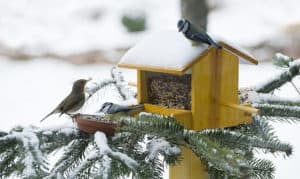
pixel 196 36
pixel 112 108
pixel 73 102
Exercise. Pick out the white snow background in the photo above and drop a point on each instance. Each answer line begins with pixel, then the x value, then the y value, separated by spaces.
pixel 31 89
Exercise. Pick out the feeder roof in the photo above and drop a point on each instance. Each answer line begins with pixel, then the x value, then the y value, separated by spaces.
pixel 170 51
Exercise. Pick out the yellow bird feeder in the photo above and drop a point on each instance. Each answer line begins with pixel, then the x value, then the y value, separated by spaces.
pixel 209 74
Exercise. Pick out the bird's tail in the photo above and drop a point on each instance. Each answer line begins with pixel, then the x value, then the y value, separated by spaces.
pixel 139 106
pixel 212 42
pixel 54 111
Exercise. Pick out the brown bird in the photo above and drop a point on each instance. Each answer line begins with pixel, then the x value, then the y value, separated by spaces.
pixel 73 102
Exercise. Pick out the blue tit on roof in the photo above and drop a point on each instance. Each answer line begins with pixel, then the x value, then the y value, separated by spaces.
pixel 195 35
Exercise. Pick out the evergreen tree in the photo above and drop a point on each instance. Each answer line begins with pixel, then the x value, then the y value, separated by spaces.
pixel 144 144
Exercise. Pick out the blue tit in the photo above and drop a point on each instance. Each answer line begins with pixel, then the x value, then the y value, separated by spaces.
pixel 111 108
pixel 196 36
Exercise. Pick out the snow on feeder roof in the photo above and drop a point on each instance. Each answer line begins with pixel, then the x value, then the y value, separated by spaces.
pixel 169 51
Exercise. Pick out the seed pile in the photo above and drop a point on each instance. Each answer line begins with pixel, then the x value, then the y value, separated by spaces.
pixel 171 91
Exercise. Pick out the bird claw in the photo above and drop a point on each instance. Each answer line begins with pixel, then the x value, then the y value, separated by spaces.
pixel 73 115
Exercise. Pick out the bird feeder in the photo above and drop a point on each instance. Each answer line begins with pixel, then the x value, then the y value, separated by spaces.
pixel 197 85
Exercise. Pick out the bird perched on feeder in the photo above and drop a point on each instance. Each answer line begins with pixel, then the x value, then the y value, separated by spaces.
pixel 74 101
pixel 111 108
pixel 196 36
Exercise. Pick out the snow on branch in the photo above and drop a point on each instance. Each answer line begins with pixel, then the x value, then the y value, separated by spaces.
pixel 32 157
pixel 104 149
pixel 157 146
pixel 236 139
pixel 117 80
pixel 281 79
pixel 263 98
pixel 287 112
pixel 122 85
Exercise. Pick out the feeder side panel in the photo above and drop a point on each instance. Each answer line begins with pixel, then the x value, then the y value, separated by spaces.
pixel 201 92
pixel 142 87
pixel 231 114
pixel 229 64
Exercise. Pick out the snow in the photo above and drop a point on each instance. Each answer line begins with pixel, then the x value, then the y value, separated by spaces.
pixel 166 49
pixel 31 89
pixel 31 148
pixel 101 142
pixel 91 155
pixel 74 26
pixel 47 88
pixel 157 146
pixel 251 22
pixel 241 49
pixel 261 98
pixel 282 56
pixel 37 26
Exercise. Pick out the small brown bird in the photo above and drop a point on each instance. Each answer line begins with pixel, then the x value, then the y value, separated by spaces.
pixel 73 102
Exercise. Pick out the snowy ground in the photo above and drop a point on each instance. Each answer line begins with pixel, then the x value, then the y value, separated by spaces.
pixel 29 90
pixel 72 26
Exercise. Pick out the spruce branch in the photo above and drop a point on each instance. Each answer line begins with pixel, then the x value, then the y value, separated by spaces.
pixel 52 140
pixel 118 81
pixel 73 155
pixel 295 87
pixel 24 154
pixel 281 79
pixel 262 98
pixel 154 124
pixel 235 139
pixel 261 128
pixel 216 156
pixel 9 162
pixel 262 169
pixel 287 113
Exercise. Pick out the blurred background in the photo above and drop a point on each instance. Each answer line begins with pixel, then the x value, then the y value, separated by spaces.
pixel 45 45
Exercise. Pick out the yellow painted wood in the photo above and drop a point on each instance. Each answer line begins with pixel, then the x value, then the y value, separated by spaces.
pixel 215 83
pixel 152 69
pixel 142 95
pixel 246 108
pixel 230 114
pixel 216 66
pixel 182 116
pixel 132 84
pixel 239 53
pixel 189 168
pixel 201 92
pixel 214 97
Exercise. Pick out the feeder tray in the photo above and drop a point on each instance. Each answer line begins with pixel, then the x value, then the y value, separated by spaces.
pixel 93 123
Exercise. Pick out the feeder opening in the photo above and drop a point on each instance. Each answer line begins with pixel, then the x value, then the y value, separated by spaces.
pixel 172 91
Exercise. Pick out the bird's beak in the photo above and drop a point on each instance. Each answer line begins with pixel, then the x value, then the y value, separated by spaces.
pixel 89 79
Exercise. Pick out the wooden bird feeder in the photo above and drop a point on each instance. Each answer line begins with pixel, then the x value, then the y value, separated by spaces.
pixel 206 93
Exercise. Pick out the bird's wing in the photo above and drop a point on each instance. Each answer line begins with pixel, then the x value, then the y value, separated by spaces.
pixel 72 103
pixel 201 37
